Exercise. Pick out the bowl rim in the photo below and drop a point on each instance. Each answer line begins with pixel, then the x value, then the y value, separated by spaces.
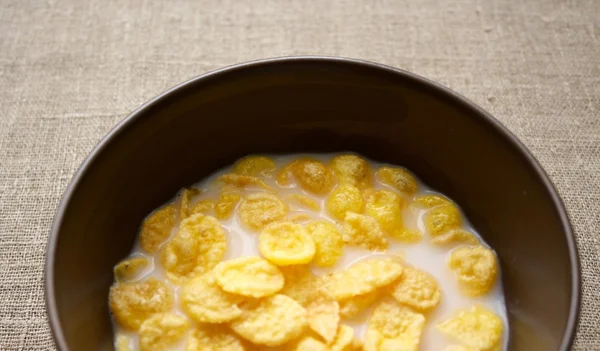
pixel 50 298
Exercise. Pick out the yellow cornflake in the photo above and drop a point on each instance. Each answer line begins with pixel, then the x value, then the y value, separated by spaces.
pixel 323 315
pixel 429 201
pixel 476 327
pixel 300 283
pixel 394 327
pixel 162 331
pixel 254 166
pixel 214 338
pixel 353 170
pixel 343 199
pixel 442 219
pixel 185 200
pixel 271 321
pixel 132 303
pixel 416 289
pixel 365 232
pixel 386 207
pixel 455 236
pixel 286 243
pixel 398 178
pixel 156 228
pixel 308 343
pixel 225 205
pixel 311 175
pixel 344 339
pixel 197 247
pixel 328 241
pixel 260 209
pixel 352 306
pixel 305 201
pixel 476 268
pixel 249 276
pixel 362 277
pixel 130 268
pixel 203 206
pixel 204 301
pixel 242 181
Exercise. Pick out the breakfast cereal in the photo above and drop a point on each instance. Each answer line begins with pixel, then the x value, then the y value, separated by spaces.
pixel 308 253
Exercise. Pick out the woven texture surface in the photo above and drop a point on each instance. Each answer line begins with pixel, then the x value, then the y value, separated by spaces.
pixel 70 70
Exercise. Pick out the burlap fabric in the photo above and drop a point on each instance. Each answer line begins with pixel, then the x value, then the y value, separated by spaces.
pixel 70 70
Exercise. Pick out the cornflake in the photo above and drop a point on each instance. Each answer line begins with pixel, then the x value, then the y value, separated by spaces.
pixel 365 232
pixel 286 243
pixel 260 209
pixel 254 166
pixel 133 303
pixel 476 268
pixel 398 178
pixel 328 241
pixel 226 205
pixel 204 301
pixel 362 277
pixel 156 228
pixel 311 175
pixel 271 321
pixel 353 170
pixel 476 327
pixel 249 276
pixel 343 199
pixel 161 331
pixel 130 268
pixel 386 207
pixel 213 338
pixel 199 245
pixel 394 327
pixel 417 289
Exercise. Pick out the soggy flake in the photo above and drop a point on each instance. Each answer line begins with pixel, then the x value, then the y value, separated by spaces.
pixel 353 170
pixel 328 241
pixel 132 303
pixel 476 269
pixel 260 209
pixel 343 199
pixel 156 228
pixel 476 327
pixel 199 245
pixel 365 232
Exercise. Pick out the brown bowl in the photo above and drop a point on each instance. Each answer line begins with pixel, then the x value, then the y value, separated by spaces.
pixel 314 104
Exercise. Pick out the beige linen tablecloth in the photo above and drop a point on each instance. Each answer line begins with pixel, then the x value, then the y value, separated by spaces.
pixel 70 70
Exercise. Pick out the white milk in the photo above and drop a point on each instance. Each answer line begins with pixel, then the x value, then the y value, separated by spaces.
pixel 422 255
